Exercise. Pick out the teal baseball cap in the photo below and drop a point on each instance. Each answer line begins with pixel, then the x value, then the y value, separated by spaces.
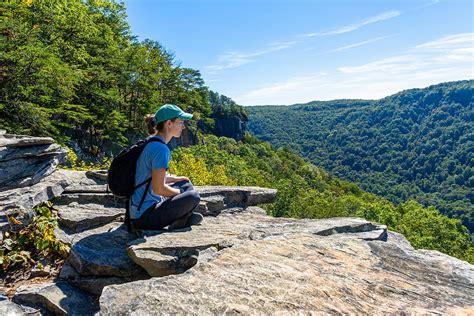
pixel 170 111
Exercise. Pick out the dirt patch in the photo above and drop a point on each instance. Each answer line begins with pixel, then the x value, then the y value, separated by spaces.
pixel 19 274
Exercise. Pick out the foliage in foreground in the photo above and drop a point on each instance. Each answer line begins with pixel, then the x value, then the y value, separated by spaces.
pixel 33 241
pixel 305 191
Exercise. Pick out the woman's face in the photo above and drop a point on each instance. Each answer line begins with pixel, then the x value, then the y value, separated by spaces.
pixel 176 127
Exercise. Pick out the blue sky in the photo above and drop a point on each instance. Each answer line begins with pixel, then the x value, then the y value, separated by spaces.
pixel 293 51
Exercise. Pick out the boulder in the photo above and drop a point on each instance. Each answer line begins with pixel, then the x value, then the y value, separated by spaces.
pixel 172 252
pixel 303 273
pixel 21 201
pixel 58 298
pixel 214 199
pixel 9 308
pixel 79 217
pixel 25 160
pixel 104 254
pixel 93 285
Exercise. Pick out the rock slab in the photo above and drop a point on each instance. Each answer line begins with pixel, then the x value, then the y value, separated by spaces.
pixel 173 252
pixel 25 160
pixel 303 273
pixel 58 298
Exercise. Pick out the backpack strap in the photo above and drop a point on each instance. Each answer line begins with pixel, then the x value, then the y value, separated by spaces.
pixel 148 181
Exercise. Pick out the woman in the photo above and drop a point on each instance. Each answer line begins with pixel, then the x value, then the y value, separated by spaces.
pixel 170 200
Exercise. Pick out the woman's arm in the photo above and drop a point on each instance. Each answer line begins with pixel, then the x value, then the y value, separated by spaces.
pixel 158 185
pixel 171 178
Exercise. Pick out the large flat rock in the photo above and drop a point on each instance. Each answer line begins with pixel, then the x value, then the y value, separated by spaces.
pixel 172 252
pixel 104 254
pixel 58 298
pixel 303 273
pixel 78 217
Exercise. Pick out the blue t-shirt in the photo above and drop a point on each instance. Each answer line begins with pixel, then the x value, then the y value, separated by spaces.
pixel 156 155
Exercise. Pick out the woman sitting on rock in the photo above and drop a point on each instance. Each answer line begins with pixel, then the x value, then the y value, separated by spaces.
pixel 170 200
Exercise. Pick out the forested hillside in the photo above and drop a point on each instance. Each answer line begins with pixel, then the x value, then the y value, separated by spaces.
pixel 417 144
pixel 306 191
pixel 73 70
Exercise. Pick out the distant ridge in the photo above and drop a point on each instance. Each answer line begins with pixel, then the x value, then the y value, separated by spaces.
pixel 417 143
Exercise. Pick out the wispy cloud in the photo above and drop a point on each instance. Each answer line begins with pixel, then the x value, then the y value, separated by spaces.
pixel 448 42
pixel 349 28
pixel 236 59
pixel 340 49
pixel 427 4
pixel 444 59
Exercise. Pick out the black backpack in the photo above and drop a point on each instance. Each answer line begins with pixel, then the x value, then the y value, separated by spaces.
pixel 121 175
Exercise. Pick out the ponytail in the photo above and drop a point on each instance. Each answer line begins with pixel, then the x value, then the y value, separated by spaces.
pixel 150 124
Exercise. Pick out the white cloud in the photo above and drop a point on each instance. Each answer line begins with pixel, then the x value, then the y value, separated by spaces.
pixel 349 28
pixel 445 59
pixel 234 59
pixel 362 43
pixel 448 42
pixel 428 4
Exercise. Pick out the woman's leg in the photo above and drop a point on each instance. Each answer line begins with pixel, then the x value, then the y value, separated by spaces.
pixel 177 207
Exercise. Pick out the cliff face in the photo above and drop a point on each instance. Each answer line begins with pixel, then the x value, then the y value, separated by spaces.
pixel 233 127
pixel 239 260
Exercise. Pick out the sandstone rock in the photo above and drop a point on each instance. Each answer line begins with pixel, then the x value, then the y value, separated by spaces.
pixel 93 285
pixel 104 254
pixel 85 203
pixel 12 140
pixel 98 174
pixel 58 298
pixel 25 160
pixel 82 179
pixel 174 252
pixel 70 237
pixel 22 200
pixel 214 199
pixel 8 308
pixel 301 273
pixel 79 217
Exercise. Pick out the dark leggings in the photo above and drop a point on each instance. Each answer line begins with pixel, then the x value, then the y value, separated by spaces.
pixel 177 207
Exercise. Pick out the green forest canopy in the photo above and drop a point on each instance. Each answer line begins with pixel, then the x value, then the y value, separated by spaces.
pixel 417 144
pixel 306 191
pixel 72 70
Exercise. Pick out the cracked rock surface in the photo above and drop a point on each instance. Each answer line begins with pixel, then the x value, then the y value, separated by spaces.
pixel 303 273
pixel 239 260
pixel 173 252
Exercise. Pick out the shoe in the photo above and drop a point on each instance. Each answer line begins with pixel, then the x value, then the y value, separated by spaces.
pixel 194 219
pixel 179 223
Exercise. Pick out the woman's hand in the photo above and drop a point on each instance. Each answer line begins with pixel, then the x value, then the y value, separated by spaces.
pixel 181 178
pixel 171 178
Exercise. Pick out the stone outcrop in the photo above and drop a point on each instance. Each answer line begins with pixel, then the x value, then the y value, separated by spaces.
pixel 174 252
pixel 239 260
pixel 10 308
pixel 90 221
pixel 59 298
pixel 233 127
pixel 25 160
pixel 29 175
pixel 303 273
